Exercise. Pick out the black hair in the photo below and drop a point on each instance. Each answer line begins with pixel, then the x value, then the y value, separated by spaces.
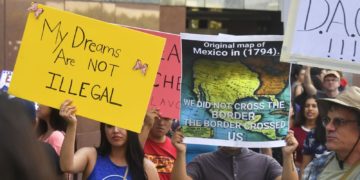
pixel 301 116
pixel 315 71
pixel 320 132
pixel 56 122
pixel 295 71
pixel 29 107
pixel 134 153
pixel 21 156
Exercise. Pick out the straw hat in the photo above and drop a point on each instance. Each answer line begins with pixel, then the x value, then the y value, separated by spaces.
pixel 350 97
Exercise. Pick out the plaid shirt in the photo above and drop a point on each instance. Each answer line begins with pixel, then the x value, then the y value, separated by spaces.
pixel 316 166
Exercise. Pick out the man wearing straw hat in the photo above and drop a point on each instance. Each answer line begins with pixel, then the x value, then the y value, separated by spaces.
pixel 342 123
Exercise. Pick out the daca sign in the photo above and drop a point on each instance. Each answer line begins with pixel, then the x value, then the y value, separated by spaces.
pixel 324 33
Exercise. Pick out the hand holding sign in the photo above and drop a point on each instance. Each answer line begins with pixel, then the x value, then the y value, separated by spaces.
pixel 67 111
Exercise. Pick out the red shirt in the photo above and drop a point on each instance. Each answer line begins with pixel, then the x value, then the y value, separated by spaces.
pixel 300 135
pixel 163 155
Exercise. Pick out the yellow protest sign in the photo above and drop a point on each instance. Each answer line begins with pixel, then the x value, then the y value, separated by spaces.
pixel 107 70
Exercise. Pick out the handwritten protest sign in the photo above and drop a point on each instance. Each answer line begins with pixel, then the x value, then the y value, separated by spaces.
pixel 100 66
pixel 235 91
pixel 324 34
pixel 5 79
pixel 166 92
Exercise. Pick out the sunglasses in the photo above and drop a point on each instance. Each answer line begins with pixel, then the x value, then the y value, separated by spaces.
pixel 337 122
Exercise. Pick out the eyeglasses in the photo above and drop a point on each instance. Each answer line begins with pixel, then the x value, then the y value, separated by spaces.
pixel 337 122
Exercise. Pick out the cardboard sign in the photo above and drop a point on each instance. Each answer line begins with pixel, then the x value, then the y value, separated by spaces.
pixel 100 66
pixel 325 34
pixel 166 92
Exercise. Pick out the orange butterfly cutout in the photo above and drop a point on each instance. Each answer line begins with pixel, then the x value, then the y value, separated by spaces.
pixel 34 8
pixel 139 66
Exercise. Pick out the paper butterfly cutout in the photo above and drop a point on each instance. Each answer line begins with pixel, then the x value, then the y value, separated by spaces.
pixel 34 8
pixel 139 66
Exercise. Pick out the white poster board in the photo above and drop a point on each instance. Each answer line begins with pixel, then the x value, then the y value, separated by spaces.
pixel 324 34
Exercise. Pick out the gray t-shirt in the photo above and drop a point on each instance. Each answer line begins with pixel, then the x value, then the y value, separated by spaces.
pixel 246 165
pixel 321 94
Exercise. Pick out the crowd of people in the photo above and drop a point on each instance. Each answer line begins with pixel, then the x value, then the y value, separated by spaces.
pixel 322 142
pixel 315 93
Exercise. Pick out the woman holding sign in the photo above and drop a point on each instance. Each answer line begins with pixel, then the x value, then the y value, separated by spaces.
pixel 119 154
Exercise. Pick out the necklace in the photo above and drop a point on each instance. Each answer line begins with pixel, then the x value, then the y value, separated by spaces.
pixel 126 173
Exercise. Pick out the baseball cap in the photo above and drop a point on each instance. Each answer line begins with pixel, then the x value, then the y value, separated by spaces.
pixel 350 97
pixel 332 72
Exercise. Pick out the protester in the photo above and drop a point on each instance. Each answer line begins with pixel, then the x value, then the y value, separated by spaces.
pixel 342 123
pixel 314 144
pixel 158 147
pixel 51 127
pixel 317 76
pixel 21 157
pixel 330 84
pixel 193 150
pixel 308 116
pixel 119 155
pixel 233 163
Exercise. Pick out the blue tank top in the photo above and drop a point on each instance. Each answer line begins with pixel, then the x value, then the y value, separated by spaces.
pixel 105 169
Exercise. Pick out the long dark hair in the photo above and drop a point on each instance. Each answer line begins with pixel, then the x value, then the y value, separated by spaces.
pixel 320 132
pixel 56 122
pixel 301 119
pixel 134 153
pixel 295 72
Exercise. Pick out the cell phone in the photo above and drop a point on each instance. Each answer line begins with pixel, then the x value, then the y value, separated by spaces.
pixel 175 124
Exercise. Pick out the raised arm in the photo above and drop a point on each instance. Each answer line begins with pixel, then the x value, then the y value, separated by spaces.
pixel 150 117
pixel 308 84
pixel 298 90
pixel 289 169
pixel 306 160
pixel 68 161
pixel 179 169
